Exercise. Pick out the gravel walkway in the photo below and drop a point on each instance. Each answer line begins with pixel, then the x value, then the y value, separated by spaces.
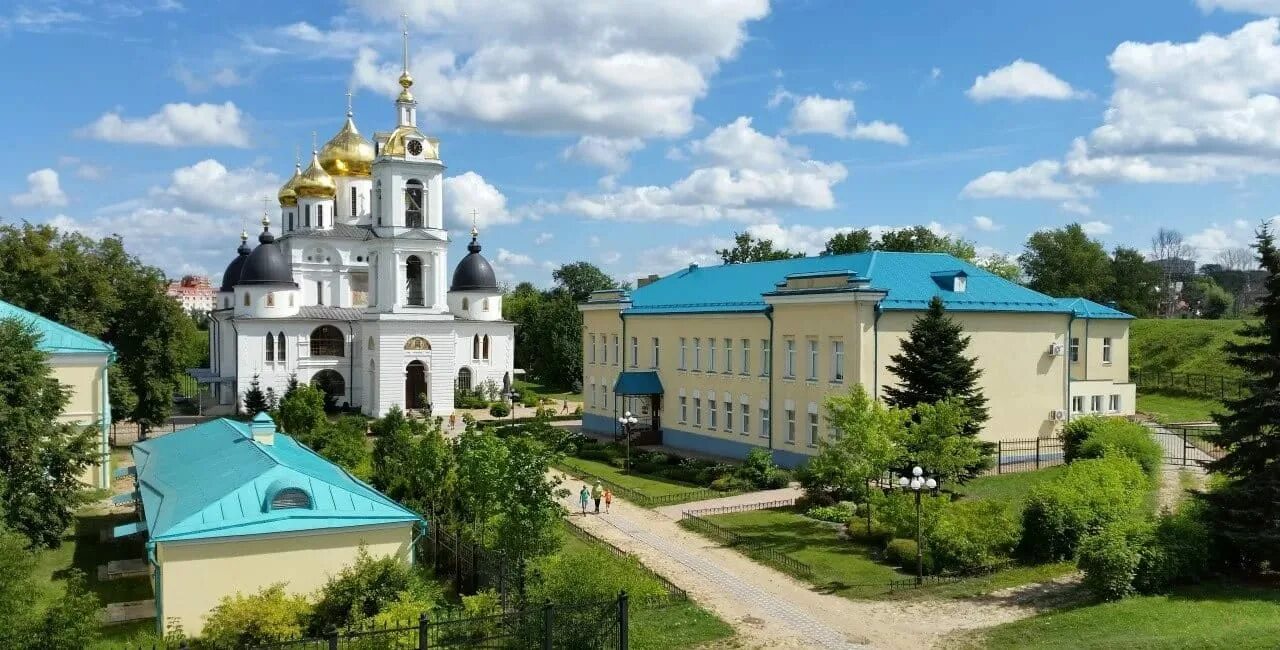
pixel 770 609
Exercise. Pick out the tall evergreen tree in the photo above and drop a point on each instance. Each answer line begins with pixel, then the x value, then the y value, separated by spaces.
pixel 932 367
pixel 255 401
pixel 1246 508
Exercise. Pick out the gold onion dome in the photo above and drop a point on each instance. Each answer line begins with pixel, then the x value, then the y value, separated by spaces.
pixel 348 153
pixel 289 191
pixel 315 182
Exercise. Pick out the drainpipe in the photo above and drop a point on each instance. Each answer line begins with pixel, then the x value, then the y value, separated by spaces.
pixel 875 352
pixel 768 313
pixel 235 383
pixel 351 373
pixel 157 587
pixel 104 466
pixel 622 367
pixel 1066 388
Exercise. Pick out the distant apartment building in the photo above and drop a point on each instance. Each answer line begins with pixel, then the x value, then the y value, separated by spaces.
pixel 194 293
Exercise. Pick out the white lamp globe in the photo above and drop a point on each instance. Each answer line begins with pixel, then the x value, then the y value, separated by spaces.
pixel 931 484
pixel 627 414
pixel 916 483
pixel 916 471
pixel 903 481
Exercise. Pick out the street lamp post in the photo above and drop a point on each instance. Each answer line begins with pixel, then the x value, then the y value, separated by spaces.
pixel 917 484
pixel 627 421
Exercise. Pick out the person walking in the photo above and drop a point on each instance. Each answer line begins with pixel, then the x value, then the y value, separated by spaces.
pixel 608 499
pixel 564 408
pixel 583 495
pixel 596 493
pixel 453 421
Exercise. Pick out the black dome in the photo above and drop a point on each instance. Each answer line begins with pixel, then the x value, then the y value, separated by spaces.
pixel 266 264
pixel 473 272
pixel 231 276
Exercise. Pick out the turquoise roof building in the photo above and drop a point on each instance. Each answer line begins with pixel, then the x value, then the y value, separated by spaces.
pixel 56 338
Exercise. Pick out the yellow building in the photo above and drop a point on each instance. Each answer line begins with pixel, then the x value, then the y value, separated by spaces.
pixel 723 359
pixel 79 362
pixel 234 507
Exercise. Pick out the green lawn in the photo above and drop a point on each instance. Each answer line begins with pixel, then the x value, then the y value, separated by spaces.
pixel 1207 616
pixel 647 485
pixel 1176 407
pixel 1011 488
pixel 1182 345
pixel 559 393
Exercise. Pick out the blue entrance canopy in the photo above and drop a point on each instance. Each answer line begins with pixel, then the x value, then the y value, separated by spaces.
pixel 129 529
pixel 638 383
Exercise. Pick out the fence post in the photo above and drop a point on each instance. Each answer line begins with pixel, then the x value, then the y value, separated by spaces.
pixel 1037 452
pixel 999 457
pixel 424 630
pixel 333 638
pixel 548 625
pixel 1184 446
pixel 624 621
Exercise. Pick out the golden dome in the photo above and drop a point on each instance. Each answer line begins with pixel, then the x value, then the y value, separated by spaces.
pixel 348 153
pixel 315 182
pixel 395 145
pixel 288 192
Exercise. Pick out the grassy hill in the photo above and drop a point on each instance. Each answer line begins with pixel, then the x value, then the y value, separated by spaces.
pixel 1182 345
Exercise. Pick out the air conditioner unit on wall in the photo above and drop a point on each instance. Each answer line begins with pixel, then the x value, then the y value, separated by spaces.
pixel 1055 349
pixel 1059 415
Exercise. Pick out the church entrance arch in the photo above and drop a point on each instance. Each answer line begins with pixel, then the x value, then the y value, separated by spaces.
pixel 416 385
pixel 334 387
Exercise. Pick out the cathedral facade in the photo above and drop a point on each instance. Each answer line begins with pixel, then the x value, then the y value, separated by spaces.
pixel 354 294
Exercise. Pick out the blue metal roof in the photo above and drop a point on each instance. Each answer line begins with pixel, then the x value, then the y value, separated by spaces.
pixel 1085 308
pixel 214 480
pixel 908 280
pixel 56 338
pixel 638 383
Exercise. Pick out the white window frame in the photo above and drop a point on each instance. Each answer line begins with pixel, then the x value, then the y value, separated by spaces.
pixel 697 411
pixel 1095 404
pixel 766 416
pixel 813 360
pixel 593 348
pixel 711 354
pixel 1106 349
pixel 746 357
pixel 837 360
pixel 697 354
pixel 789 360
pixel 684 409
pixel 813 429
pixel 711 412
pixel 684 348
pixel 635 350
pixel 745 408
pixel 1114 403
pixel 728 415
pixel 766 358
pixel 1077 403
pixel 728 355
pixel 1074 350
pixel 791 426
pixel 657 349
pixel 617 350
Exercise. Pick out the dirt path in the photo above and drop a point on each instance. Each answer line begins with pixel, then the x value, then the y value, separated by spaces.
pixel 1174 483
pixel 770 609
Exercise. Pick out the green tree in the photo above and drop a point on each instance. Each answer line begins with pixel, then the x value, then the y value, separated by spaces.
pixel 557 326
pixel 244 621
pixel 1246 506
pixel 868 445
pixel 41 461
pixel 1002 266
pixel 854 241
pixel 361 590
pixel 1206 299
pixel 932 367
pixel 482 465
pixel 938 439
pixel 254 400
pixel 1067 263
pixel 344 443
pixel 529 514
pixel 747 248
pixel 69 622
pixel 302 413
pixel 920 239
pixel 582 278
pixel 1137 282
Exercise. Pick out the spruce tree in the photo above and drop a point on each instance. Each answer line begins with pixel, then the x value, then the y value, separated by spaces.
pixel 255 401
pixel 932 367
pixel 1246 508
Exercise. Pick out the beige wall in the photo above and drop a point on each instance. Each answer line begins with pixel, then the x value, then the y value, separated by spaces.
pixel 81 375
pixel 1093 336
pixel 196 575
pixel 1107 392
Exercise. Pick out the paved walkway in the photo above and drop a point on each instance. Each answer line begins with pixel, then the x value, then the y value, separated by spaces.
pixel 763 496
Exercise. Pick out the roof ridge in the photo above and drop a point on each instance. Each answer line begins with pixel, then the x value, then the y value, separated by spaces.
pixel 53 324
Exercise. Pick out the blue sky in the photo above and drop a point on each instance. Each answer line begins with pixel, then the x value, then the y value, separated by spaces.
pixel 640 136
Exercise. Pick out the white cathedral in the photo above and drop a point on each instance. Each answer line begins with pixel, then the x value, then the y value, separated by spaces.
pixel 352 295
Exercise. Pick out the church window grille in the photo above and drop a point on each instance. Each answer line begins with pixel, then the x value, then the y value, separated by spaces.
pixel 464 379
pixel 320 216
pixel 290 220
pixel 353 201
pixel 271 347
pixel 319 292
pixel 413 197
pixel 475 346
pixel 377 201
pixel 280 346
pixel 306 216
pixel 327 341
pixel 290 497
pixel 485 348
pixel 413 275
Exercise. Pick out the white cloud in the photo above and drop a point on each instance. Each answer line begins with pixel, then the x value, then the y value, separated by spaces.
pixel 542 238
pixel 470 191
pixel 175 125
pixel 614 69
pixel 510 258
pixel 935 73
pixel 880 132
pixel 1095 228
pixel 1211 241
pixel 209 185
pixel 985 224
pixel 1076 207
pixel 1263 7
pixel 1240 224
pixel 607 153
pixel 84 170
pixel 223 77
pixel 1039 180
pixel 610 257
pixel 1021 80
pixel 43 190
pixel 835 117
pixel 41 20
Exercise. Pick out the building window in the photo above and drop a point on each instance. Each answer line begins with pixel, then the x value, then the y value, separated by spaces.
pixel 1077 404
pixel 1114 406
pixel 1075 349
pixel 475 347
pixel 320 216
pixel 306 216
pixel 353 201
pixel 413 195
pixel 591 394
pixel 728 355
pixel 766 358
pixel 764 422
pixel 746 357
pixel 327 341
pixel 466 303
pixel 1106 349
pixel 837 361
pixel 290 497
pixel 813 427
pixel 728 416
pixel 593 338
pixel 813 359
pixel 697 411
pixel 271 300
pixel 377 200
pixel 746 417
pixel 711 413
pixel 280 347
pixel 1095 403
pixel 697 353
pixel 654 362
pixel 616 350
pixel 464 382
pixel 485 347
pixel 246 299
pixel 683 349
pixel 291 221
pixel 791 426
pixel 789 362
pixel 711 354
pixel 413 275
pixel 684 409
pixel 484 305
pixel 271 347
pixel 635 351
pixel 319 292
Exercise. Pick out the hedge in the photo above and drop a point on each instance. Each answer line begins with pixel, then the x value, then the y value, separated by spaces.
pixel 1086 497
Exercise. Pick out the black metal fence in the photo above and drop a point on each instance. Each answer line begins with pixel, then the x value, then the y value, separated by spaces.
pixel 640 498
pixel 1027 454
pixel 741 507
pixel 1186 445
pixel 674 593
pixel 470 567
pixel 1205 385
pixel 747 546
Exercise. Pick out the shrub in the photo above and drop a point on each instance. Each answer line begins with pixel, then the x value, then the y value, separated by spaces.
pixel 898 512
pixel 360 591
pixel 877 536
pixel 1178 551
pixel 839 512
pixel 530 400
pixel 1109 559
pixel 1086 497
pixel 760 471
pixel 499 410
pixel 268 616
pixel 1076 432
pixel 1128 438
pixel 901 552
pixel 731 483
pixel 972 534
pixel 591 575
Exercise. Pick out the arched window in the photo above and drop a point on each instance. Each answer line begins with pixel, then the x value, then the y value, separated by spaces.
pixel 327 341
pixel 331 384
pixel 246 299
pixel 291 497
pixel 413 196
pixel 484 304
pixel 377 200
pixel 291 220
pixel 413 275
pixel 226 303
pixel 464 379
pixel 466 304
pixel 280 346
pixel 320 215
pixel 353 201
pixel 271 347
pixel 271 300
pixel 475 346
pixel 306 219
pixel 486 346
pixel 370 343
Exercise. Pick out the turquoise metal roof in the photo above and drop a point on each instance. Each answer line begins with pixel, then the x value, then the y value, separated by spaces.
pixel 56 338
pixel 125 530
pixel 1085 308
pixel 909 281
pixel 214 480
pixel 638 383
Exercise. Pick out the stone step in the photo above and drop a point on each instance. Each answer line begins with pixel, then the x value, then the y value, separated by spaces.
pixel 134 610
pixel 118 569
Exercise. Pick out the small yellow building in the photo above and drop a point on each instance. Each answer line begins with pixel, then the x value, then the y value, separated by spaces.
pixel 724 359
pixel 234 507
pixel 79 362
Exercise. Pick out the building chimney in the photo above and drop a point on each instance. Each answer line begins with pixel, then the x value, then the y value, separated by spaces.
pixel 643 282
pixel 263 429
